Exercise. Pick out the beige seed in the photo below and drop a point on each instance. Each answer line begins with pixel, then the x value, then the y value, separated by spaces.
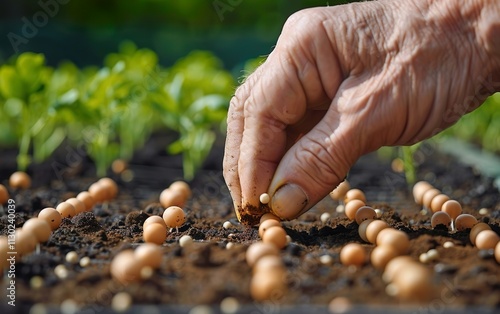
pixel 414 283
pixel 182 187
pixel 121 302
pixel 340 305
pixel 110 186
pixel 364 213
pixel 452 208
pixel 20 180
pixel 268 224
pixel 464 222
pixel 325 217
pixel 125 268
pixel 448 244
pixel 25 242
pixel 86 198
pixel 354 194
pixel 229 305
pixel 174 217
pixel 118 166
pixel 85 261
pixel 269 263
pixel 340 191
pixel 353 254
pixel 428 196
pixel 373 229
pixel 440 218
pixel 155 233
pixel 340 208
pixel 487 239
pixel 227 225
pixel 267 216
pixel 396 238
pixel 258 250
pixel 169 197
pixel 98 192
pixel 419 190
pixel 264 198
pixel 36 282
pixel 275 235
pixel 381 255
pixel 362 229
pixel 352 207
pixel 66 210
pixel 52 216
pixel 79 205
pixel 379 213
pixel 438 201
pixel 153 219
pixel 185 240
pixel 433 254
pixel 475 231
pixel 61 271
pixel 484 211
pixel 72 257
pixel 267 285
pixel 39 227
pixel 394 266
pixel 149 254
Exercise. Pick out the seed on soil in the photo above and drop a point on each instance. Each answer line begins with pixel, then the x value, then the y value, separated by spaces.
pixel 153 219
pixel 268 216
pixel 125 267
pixel 84 261
pixel 326 259
pixel 229 305
pixel 155 233
pixel 20 180
pixel 72 257
pixel 364 213
pixel 227 225
pixel 185 240
pixel 438 201
pixel 464 222
pixel 230 245
pixel 475 231
pixel 146 272
pixel 373 229
pixel 275 235
pixel 98 192
pixel 487 239
pixel 340 191
pixel 394 266
pixel 428 196
pixel 268 224
pixel 25 242
pixel 266 285
pixel 174 216
pixel 339 305
pixel 448 244
pixel 170 197
pixel 118 166
pixel 269 263
pixel 149 254
pixel 419 190
pixel 413 283
pixel 52 216
pixel 182 187
pixel 4 194
pixel 79 205
pixel 36 282
pixel 484 211
pixel 352 207
pixel 325 217
pixel 39 227
pixel 264 198
pixel 354 194
pixel 396 238
pixel 121 302
pixel 379 213
pixel 110 186
pixel 452 208
pixel 66 210
pixel 353 254
pixel 61 271
pixel 86 198
pixel 432 254
pixel 362 229
pixel 440 218
pixel 258 250
pixel 381 255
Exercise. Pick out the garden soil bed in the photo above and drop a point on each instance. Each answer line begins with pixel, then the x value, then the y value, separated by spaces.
pixel 207 272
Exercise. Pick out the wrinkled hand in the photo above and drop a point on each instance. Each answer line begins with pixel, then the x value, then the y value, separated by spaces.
pixel 343 81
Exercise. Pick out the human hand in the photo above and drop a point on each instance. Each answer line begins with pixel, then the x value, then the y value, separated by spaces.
pixel 343 81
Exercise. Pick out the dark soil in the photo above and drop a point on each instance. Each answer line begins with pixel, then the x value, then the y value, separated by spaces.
pixel 207 272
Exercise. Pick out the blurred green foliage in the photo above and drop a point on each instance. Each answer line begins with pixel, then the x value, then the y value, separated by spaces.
pixel 113 110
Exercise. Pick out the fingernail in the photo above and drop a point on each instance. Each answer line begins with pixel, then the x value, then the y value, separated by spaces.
pixel 289 201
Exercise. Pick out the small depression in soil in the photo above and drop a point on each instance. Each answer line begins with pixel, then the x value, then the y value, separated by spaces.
pixel 207 272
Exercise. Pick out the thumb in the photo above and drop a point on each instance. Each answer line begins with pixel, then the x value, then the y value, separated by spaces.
pixel 315 165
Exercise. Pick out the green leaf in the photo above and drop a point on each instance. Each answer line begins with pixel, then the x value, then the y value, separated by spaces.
pixel 11 84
